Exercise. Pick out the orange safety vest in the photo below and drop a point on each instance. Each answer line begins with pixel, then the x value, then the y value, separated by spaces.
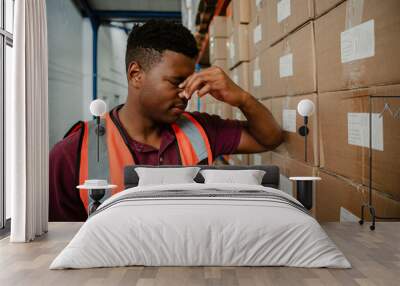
pixel 115 155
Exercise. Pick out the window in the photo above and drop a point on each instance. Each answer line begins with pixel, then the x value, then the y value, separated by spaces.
pixel 9 16
pixel 6 62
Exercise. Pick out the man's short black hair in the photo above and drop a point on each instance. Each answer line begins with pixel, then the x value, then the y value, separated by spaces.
pixel 147 42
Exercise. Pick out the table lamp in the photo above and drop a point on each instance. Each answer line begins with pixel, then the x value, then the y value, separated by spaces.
pixel 95 186
pixel 305 108
pixel 304 185
pixel 98 108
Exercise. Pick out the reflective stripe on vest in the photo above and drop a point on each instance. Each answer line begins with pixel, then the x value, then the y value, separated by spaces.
pixel 114 154
pixel 192 140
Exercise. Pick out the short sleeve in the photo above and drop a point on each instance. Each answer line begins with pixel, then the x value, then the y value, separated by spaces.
pixel 223 134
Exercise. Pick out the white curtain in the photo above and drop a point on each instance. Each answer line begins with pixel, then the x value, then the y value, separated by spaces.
pixel 27 140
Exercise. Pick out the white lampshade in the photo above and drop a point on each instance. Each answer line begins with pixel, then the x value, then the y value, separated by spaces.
pixel 305 107
pixel 98 107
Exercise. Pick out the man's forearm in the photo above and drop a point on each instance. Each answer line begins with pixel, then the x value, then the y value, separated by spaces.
pixel 260 122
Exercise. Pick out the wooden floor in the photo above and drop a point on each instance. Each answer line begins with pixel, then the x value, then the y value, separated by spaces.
pixel 375 257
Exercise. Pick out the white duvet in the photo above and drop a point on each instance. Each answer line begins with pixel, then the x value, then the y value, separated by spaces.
pixel 183 231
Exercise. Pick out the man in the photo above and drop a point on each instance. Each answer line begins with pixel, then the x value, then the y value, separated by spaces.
pixel 151 128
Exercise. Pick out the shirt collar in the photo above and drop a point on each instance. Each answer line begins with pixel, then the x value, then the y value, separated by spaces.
pixel 167 137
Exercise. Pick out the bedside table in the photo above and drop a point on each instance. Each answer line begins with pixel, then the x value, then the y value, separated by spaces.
pixel 304 190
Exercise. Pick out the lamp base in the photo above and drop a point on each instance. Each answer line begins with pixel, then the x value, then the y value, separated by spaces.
pixel 303 130
pixel 304 190
pixel 96 195
pixel 304 193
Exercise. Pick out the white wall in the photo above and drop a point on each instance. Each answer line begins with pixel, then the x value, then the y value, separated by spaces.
pixel 111 83
pixel 65 67
pixel 70 67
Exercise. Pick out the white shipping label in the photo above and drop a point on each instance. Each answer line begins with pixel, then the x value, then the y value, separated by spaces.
pixel 286 65
pixel 257 78
pixel 358 130
pixel 289 120
pixel 258 3
pixel 257 159
pixel 283 10
pixel 257 34
pixel 358 42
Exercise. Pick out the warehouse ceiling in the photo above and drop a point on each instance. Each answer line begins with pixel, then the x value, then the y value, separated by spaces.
pixel 130 10
pixel 136 5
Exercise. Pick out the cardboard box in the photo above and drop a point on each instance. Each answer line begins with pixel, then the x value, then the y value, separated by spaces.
pixel 229 19
pixel 205 105
pixel 237 114
pixel 284 110
pixel 344 137
pixel 260 158
pixel 222 63
pixel 335 193
pixel 238 46
pixel 239 159
pixel 358 44
pixel 212 106
pixel 229 26
pixel 226 111
pixel 217 28
pixel 256 6
pixel 291 167
pixel 240 76
pixel 257 76
pixel 241 11
pixel 192 106
pixel 323 6
pixel 284 16
pixel 291 64
pixel 218 49
pixel 258 30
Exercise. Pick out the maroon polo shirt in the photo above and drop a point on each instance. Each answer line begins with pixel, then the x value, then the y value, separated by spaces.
pixel 64 199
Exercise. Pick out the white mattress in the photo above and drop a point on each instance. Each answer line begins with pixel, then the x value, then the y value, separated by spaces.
pixel 202 231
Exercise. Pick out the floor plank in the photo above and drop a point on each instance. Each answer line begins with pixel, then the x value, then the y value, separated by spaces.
pixel 375 257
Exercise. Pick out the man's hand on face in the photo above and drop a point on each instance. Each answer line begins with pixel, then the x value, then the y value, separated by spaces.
pixel 214 81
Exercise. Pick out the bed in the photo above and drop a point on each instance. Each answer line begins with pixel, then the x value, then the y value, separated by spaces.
pixel 201 224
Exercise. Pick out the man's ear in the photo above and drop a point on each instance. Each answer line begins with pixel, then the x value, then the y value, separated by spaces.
pixel 135 74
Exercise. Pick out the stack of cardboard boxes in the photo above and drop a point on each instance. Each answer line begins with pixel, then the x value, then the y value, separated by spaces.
pixel 218 39
pixel 236 60
pixel 238 19
pixel 336 53
pixel 283 72
pixel 356 50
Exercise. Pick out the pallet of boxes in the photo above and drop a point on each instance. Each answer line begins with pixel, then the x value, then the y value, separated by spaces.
pixel 236 61
pixel 218 57
pixel 337 54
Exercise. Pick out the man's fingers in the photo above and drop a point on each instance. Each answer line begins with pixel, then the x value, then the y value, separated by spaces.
pixel 194 85
pixel 204 90
pixel 207 73
pixel 196 80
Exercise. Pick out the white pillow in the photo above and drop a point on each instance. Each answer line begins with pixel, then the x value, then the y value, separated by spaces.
pixel 162 176
pixel 248 177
